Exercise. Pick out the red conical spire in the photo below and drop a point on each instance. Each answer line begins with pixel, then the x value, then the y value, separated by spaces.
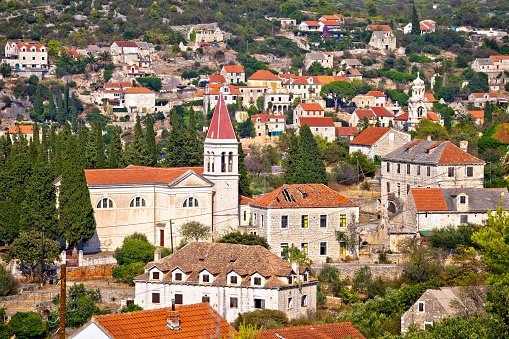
pixel 221 126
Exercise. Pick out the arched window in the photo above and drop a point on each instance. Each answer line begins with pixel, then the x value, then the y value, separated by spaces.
pixel 191 202
pixel 223 162
pixel 105 203
pixel 230 162
pixel 213 161
pixel 138 202
pixel 208 161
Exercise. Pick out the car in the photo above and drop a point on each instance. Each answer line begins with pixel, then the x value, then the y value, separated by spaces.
pixel 215 44
pixel 204 45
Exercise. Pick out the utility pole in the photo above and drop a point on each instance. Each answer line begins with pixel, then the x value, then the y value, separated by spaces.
pixel 171 235
pixel 63 278
pixel 42 257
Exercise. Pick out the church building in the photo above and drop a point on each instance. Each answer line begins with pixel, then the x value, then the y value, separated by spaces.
pixel 157 201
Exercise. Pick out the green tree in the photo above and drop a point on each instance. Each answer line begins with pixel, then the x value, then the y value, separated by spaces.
pixel 61 113
pixel 150 137
pixel 243 239
pixel 423 264
pixel 52 111
pixel 416 27
pixel 310 166
pixel 291 159
pixel 137 151
pixel 244 182
pixel 246 129
pixel 127 272
pixel 77 223
pixel 294 254
pixel 7 284
pixel 38 104
pixel 131 308
pixel 370 6
pixel 99 157
pixel 5 70
pixel 260 318
pixel 135 248
pixel 116 157
pixel 451 237
pixel 195 147
pixel 338 91
pixel 194 231
pixel 427 128
pixel 27 325
pixel 175 154
pixel 488 112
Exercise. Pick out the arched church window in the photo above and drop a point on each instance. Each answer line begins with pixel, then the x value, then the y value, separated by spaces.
pixel 230 162
pixel 191 202
pixel 212 159
pixel 208 161
pixel 105 203
pixel 223 162
pixel 420 112
pixel 138 202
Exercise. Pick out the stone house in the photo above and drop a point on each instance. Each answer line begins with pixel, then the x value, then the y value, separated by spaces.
pixel 378 141
pixel 124 51
pixel 309 216
pixel 351 74
pixel 184 321
pixel 332 25
pixel 307 110
pixel 321 127
pixel 350 63
pixel 307 86
pixel 266 79
pixel 232 278
pixel 325 59
pixel 479 99
pixel 250 94
pixel 139 100
pixel 426 26
pixel 206 34
pixel 430 209
pixel 492 65
pixel 26 55
pixel 229 93
pixel 370 99
pixel 27 131
pixel 346 133
pixel 313 26
pixel 378 28
pixel 233 74
pixel 478 116
pixel 374 114
pixel 383 40
pixel 277 102
pixel 335 17
pixel 426 163
pixel 269 125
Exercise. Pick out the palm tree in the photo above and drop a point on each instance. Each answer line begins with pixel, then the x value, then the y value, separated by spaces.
pixel 91 62
pixel 104 58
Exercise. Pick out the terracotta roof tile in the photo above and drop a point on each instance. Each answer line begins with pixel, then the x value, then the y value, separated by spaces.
pixel 452 154
pixel 501 134
pixel 316 122
pixel 21 129
pixel 245 200
pixel 385 28
pixel 311 107
pixel 430 97
pixel 432 117
pixel 375 94
pixel 137 175
pixel 402 117
pixel 28 45
pixel 303 195
pixel 264 75
pixel 369 136
pixel 346 131
pixel 221 126
pixel 382 112
pixel 317 331
pixel 330 23
pixel 361 113
pixel 126 44
pixel 477 114
pixel 217 78
pixel 265 117
pixel 328 17
pixel 196 321
pixel 234 69
pixel 430 199
pixel 312 23
pixel 137 90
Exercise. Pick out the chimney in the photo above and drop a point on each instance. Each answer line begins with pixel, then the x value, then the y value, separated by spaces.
pixel 429 137
pixel 464 145
pixel 157 254
pixel 295 268
pixel 173 319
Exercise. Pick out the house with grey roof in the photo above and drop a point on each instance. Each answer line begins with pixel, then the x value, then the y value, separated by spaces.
pixel 430 209
pixel 383 40
pixel 427 164
pixel 350 63
pixel 325 59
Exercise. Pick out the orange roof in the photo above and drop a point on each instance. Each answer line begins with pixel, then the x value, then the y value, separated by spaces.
pixel 385 28
pixel 477 114
pixel 425 26
pixel 328 17
pixel 69 52
pixel 330 23
pixel 311 107
pixel 265 117
pixel 126 44
pixel 429 97
pixel 221 125
pixel 402 117
pixel 245 200
pixel 217 78
pixel 303 195
pixel 316 331
pixel 346 131
pixel 216 90
pixel 361 113
pixel 369 136
pixel 382 112
pixel 312 23
pixel 28 45
pixel 501 134
pixel 432 117
pixel 497 58
pixel 263 75
pixel 452 154
pixel 317 121
pixel 138 90
pixel 339 16
pixel 234 69
pixel 21 129
pixel 429 199
pixel 375 94
pixel 137 175
pixel 196 321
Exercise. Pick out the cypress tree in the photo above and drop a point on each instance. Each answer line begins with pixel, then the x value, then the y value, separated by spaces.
pixel 488 112
pixel 52 111
pixel 175 155
pixel 66 101
pixel 310 165
pixel 9 215
pixel 290 161
pixel 83 146
pixel 195 155
pixel 116 157
pixel 44 145
pixel 244 182
pixel 99 159
pixel 61 113
pixel 38 104
pixel 416 26
pixel 76 223
pixel 33 153
pixel 36 135
pixel 150 138
pixel 137 150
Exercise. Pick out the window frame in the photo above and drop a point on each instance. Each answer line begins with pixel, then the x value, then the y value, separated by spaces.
pixel 323 218
pixel 342 220
pixel 100 203
pixel 141 203
pixel 471 170
pixel 234 302
pixel 155 275
pixel 321 247
pixel 419 304
pixel 450 172
pixel 408 169
pixel 398 168
pixel 285 223
pixel 232 277
pixel 262 303
pixel 257 281
pixel 428 171
pixel 304 220
pixel 418 169
pixel 181 297
pixel 463 199
pixel 175 276
pixel 189 201
pixel 304 300
pixel 205 299
pixel 156 298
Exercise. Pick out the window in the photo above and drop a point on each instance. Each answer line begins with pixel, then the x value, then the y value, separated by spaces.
pixel 427 325
pixel 261 220
pixel 284 221
pixel 257 281
pixel 233 279
pixel 155 275
pixel 156 298
pixel 342 248
pixel 259 304
pixel 418 169
pixel 304 301
pixel 304 248
pixel 399 168
pixel 245 215
pixel 178 276
pixel 407 189
pixel 105 203
pixel 290 303
pixel 428 171
pixel 304 221
pixel 407 168
pixel 420 306
pixel 323 221
pixel 179 299
pixel 399 190
pixel 234 302
pixel 138 202
pixel 290 280
pixel 323 248
pixel 191 202
pixel 470 171
pixel 206 278
pixel 463 199
pixel 450 172
pixel 205 299
pixel 342 220
pixel 464 219
pixel 388 187
pixel 305 277
pixel 388 167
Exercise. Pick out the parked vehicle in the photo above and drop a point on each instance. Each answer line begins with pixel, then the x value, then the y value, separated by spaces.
pixel 204 45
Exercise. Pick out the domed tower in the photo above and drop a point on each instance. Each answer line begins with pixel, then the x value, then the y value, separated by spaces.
pixel 418 88
pixel 221 167
pixel 416 107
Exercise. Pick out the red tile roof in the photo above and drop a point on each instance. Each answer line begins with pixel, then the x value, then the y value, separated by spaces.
pixel 233 69
pixel 126 44
pixel 265 117
pixel 317 122
pixel 369 136
pixel 138 90
pixel 429 199
pixel 311 107
pixel 28 45
pixel 264 75
pixel 452 154
pixel 432 117
pixel 346 131
pixel 328 17
pixel 217 78
pixel 430 97
pixel 245 200
pixel 502 134
pixel 69 52
pixel 477 114
pixel 317 331
pixel 303 195
pixel 361 113
pixel 221 126
pixel 385 28
pixel 196 321
pixel 331 23
pixel 216 90
pixel 497 58
pixel 426 26
pixel 21 129
pixel 312 23
pixel 382 112
pixel 137 175
pixel 402 117
pixel 375 94
pixel 339 16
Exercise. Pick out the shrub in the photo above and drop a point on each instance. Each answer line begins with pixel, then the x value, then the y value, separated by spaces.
pixel 244 239
pixel 135 248
pixel 7 282
pixel 450 238
pixel 26 325
pixel 131 308
pixel 260 318
pixel 152 83
pixel 126 273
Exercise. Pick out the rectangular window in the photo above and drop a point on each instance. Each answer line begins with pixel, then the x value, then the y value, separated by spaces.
pixel 323 248
pixel 284 221
pixel 428 171
pixel 290 303
pixel 304 248
pixel 407 168
pixel 407 189
pixel 399 168
pixel 388 187
pixel 463 199
pixel 179 300
pixel 388 167
pixel 155 275
pixel 205 278
pixel 205 299
pixel 342 220
pixel 421 306
pixel 464 219
pixel 304 301
pixel 233 279
pixel 156 298
pixel 470 171
pixel 304 221
pixel 399 190
pixel 323 221
pixel 450 172
pixel 427 325
pixel 259 304
pixel 257 281
pixel 234 302
pixel 305 277
pixel 178 276
pixel 261 219
pixel 418 169
pixel 342 248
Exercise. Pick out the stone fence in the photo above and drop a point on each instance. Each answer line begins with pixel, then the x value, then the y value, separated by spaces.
pixel 347 271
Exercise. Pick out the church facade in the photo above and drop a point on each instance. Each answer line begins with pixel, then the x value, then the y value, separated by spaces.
pixel 158 201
